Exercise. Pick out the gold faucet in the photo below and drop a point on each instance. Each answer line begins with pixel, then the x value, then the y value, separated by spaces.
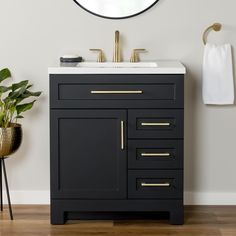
pixel 117 51
pixel 101 56
pixel 135 56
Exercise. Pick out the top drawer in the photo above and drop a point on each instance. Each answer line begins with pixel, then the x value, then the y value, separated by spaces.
pixel 116 91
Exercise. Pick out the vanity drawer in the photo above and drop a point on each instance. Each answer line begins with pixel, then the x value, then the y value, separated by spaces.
pixel 156 184
pixel 120 91
pixel 156 123
pixel 155 154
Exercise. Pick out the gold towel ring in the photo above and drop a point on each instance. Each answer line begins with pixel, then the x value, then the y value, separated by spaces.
pixel 216 27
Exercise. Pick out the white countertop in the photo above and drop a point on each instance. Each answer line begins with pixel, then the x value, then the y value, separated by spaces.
pixel 164 67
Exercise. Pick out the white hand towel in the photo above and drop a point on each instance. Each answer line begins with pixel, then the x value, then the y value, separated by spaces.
pixel 218 82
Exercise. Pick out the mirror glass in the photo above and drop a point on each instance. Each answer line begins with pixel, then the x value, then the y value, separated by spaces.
pixel 116 9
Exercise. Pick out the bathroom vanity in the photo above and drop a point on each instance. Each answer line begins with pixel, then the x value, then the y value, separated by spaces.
pixel 116 139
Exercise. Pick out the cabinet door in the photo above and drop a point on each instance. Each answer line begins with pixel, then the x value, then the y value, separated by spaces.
pixel 88 156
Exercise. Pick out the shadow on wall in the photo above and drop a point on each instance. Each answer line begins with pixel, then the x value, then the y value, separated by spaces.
pixel 227 32
pixel 233 57
pixel 192 85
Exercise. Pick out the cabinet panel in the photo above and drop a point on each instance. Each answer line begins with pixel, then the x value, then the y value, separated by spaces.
pixel 116 92
pixel 137 91
pixel 87 160
pixel 157 184
pixel 156 123
pixel 155 154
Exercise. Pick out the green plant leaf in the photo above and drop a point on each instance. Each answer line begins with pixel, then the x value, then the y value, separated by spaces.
pixel 19 117
pixel 4 89
pixel 12 109
pixel 24 107
pixel 4 74
pixel 6 100
pixel 34 94
pixel 2 114
pixel 27 94
pixel 19 85
pixel 17 93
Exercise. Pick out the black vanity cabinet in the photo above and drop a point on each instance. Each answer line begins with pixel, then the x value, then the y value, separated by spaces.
pixel 116 145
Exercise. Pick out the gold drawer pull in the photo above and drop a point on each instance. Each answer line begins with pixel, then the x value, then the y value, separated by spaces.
pixel 156 124
pixel 155 184
pixel 155 154
pixel 122 134
pixel 117 92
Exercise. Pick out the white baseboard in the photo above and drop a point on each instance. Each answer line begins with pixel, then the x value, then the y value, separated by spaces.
pixel 190 198
pixel 210 198
pixel 28 197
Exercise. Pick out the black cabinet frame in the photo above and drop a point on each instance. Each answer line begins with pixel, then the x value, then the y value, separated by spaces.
pixel 100 165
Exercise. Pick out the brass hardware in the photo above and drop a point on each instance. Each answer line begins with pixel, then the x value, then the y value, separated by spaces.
pixel 216 27
pixel 135 54
pixel 117 49
pixel 155 184
pixel 155 154
pixel 101 57
pixel 122 134
pixel 117 92
pixel 156 124
pixel 10 139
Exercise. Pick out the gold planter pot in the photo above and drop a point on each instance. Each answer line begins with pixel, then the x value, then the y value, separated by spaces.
pixel 10 139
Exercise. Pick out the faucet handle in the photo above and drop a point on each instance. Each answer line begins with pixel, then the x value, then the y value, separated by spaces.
pixel 135 54
pixel 101 56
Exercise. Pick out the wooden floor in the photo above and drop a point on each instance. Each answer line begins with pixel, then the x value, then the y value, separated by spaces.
pixel 200 221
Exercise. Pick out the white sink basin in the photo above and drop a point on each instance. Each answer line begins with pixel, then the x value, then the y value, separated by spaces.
pixel 117 65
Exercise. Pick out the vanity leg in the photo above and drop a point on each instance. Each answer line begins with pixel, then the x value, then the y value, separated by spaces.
pixel 57 216
pixel 177 217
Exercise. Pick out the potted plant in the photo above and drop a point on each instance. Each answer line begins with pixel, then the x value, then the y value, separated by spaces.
pixel 12 106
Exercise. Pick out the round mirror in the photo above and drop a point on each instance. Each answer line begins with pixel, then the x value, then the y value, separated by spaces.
pixel 116 9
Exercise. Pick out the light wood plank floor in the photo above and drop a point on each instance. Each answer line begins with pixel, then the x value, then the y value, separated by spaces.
pixel 200 221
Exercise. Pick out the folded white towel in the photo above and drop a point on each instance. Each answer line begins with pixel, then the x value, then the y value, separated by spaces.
pixel 218 82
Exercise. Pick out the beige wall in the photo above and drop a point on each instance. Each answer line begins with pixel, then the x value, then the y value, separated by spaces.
pixel 33 34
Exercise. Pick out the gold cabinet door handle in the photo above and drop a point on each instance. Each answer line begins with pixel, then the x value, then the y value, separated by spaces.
pixel 122 135
pixel 156 124
pixel 155 184
pixel 117 92
pixel 155 154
